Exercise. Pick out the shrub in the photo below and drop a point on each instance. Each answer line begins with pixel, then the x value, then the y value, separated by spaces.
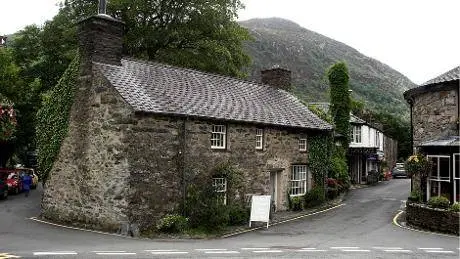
pixel 314 197
pixel 205 210
pixel 439 202
pixel 415 196
pixel 332 193
pixel 455 207
pixel 296 203
pixel 172 223
pixel 332 183
pixel 238 214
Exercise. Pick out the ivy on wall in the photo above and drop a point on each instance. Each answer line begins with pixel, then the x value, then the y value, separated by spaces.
pixel 318 157
pixel 53 117
pixel 340 100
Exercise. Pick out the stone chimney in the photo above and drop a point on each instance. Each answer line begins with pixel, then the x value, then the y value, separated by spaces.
pixel 277 77
pixel 101 40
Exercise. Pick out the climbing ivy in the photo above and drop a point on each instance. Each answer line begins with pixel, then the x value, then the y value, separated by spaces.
pixel 340 100
pixel 53 118
pixel 318 153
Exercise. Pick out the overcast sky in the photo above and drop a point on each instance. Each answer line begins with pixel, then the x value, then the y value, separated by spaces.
pixel 419 38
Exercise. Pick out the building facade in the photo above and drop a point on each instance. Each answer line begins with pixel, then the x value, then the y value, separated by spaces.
pixel 435 132
pixel 141 132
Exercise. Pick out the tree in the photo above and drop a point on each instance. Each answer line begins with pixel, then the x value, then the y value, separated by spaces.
pixel 199 34
pixel 340 100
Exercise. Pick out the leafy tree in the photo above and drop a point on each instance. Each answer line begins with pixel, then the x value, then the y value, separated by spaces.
pixel 340 100
pixel 200 34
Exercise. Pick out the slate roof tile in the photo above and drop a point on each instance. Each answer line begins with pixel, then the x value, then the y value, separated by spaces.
pixel 451 75
pixel 158 88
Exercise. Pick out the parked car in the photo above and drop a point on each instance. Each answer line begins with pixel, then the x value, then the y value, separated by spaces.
pixel 3 185
pixel 14 182
pixel 31 172
pixel 399 171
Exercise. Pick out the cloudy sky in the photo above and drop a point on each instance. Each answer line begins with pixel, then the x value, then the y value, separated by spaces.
pixel 419 38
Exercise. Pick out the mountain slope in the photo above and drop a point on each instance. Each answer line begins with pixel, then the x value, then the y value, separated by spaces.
pixel 309 54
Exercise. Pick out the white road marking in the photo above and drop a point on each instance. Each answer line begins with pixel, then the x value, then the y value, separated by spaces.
pixel 161 250
pixel 255 248
pixel 115 253
pixel 431 248
pixel 210 249
pixel 345 247
pixel 267 251
pixel 397 251
pixel 356 250
pixel 56 253
pixel 311 250
pixel 383 247
pixel 169 252
pixel 7 255
pixel 109 251
pixel 440 251
pixel 221 252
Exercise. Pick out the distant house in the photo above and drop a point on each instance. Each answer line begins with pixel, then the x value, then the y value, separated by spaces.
pixel 368 147
pixel 139 131
pixel 3 41
pixel 435 131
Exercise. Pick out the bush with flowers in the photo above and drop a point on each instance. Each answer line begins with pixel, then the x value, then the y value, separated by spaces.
pixel 417 165
pixel 7 123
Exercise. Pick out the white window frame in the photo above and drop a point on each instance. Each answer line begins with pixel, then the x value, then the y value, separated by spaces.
pixel 377 139
pixel 438 179
pixel 456 156
pixel 220 186
pixel 218 137
pixel 259 139
pixel 302 144
pixel 298 181
pixel 356 134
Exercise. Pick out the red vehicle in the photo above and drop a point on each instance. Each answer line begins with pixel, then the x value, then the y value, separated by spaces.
pixel 14 182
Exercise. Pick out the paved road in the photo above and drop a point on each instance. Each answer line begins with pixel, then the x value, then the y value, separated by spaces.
pixel 362 228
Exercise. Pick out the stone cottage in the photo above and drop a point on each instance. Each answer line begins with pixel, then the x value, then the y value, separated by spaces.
pixel 435 112
pixel 140 130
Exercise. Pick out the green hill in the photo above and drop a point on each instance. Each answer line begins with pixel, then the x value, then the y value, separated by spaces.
pixel 308 55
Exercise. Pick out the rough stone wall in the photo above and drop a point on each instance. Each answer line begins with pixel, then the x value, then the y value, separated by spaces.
pixel 280 151
pixel 88 184
pixel 120 170
pixel 390 150
pixel 433 219
pixel 152 150
pixel 434 115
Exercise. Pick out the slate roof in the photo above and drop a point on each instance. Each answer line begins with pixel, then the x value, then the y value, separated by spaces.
pixel 162 89
pixel 434 85
pixel 451 75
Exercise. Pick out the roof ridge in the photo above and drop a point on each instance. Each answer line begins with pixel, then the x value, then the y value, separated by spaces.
pixel 152 62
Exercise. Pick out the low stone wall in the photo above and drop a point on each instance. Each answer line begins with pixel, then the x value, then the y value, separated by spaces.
pixel 433 219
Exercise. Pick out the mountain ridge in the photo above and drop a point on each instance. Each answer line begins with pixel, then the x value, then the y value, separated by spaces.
pixel 309 54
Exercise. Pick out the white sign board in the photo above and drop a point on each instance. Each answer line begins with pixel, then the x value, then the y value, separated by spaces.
pixel 260 209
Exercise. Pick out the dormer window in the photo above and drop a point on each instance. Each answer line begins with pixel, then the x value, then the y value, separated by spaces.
pixel 303 144
pixel 218 137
